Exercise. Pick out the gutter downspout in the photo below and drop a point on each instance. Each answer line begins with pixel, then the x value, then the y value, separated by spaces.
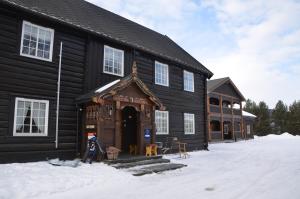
pixel 58 95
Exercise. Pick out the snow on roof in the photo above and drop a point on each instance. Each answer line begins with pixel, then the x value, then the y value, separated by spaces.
pixel 107 86
pixel 236 106
pixel 247 114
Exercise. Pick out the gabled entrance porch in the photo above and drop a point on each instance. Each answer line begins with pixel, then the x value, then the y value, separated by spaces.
pixel 122 113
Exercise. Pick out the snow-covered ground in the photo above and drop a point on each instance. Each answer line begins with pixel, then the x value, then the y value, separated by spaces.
pixel 263 168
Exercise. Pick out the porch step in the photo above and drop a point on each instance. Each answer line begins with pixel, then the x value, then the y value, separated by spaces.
pixel 157 169
pixel 132 159
pixel 140 163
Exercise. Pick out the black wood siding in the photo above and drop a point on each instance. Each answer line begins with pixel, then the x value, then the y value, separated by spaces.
pixel 173 97
pixel 82 71
pixel 32 78
pixel 176 100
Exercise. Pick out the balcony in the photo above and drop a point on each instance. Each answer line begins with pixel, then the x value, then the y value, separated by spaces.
pixel 236 111
pixel 214 108
pixel 227 110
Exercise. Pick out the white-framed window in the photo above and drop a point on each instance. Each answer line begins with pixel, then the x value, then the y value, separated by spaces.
pixel 189 123
pixel 248 129
pixel 113 62
pixel 161 74
pixel 188 81
pixel 162 122
pixel 31 117
pixel 37 41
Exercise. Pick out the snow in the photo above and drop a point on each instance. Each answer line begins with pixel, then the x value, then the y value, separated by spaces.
pixel 103 88
pixel 245 113
pixel 264 168
pixel 236 106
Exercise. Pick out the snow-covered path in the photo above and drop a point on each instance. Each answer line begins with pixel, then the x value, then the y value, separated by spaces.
pixel 263 168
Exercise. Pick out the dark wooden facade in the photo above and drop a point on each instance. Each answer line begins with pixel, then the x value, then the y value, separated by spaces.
pixel 225 118
pixel 248 125
pixel 82 66
pixel 31 78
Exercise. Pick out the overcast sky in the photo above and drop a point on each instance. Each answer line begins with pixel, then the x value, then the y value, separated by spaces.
pixel 256 43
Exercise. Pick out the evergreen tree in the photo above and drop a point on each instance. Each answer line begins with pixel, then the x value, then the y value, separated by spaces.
pixel 263 120
pixel 293 123
pixel 279 116
pixel 251 107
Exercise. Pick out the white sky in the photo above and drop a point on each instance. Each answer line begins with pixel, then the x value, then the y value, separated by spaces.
pixel 254 42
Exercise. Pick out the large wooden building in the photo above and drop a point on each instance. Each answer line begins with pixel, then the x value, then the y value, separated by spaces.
pixel 226 119
pixel 124 81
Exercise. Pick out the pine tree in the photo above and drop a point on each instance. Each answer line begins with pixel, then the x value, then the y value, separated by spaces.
pixel 279 116
pixel 251 107
pixel 293 124
pixel 263 120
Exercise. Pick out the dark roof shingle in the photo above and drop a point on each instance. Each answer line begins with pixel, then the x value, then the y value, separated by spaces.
pixel 215 83
pixel 89 17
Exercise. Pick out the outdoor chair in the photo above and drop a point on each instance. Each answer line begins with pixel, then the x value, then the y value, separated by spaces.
pixel 170 145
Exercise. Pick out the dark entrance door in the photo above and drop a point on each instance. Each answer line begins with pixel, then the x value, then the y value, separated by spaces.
pixel 227 131
pixel 129 128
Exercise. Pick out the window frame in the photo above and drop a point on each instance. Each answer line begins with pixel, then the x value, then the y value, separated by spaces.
pixel 51 42
pixel 164 65
pixel 185 72
pixel 184 120
pixel 122 68
pixel 30 134
pixel 167 114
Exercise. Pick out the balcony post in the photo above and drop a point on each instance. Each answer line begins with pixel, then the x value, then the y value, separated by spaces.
pixel 208 118
pixel 242 122
pixel 221 111
pixel 232 119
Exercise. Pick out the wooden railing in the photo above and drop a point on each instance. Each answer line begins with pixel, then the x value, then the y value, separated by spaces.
pixel 215 109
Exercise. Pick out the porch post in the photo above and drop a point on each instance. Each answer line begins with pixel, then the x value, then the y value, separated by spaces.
pixel 232 119
pixel 153 125
pixel 141 121
pixel 221 108
pixel 118 138
pixel 242 122
pixel 208 118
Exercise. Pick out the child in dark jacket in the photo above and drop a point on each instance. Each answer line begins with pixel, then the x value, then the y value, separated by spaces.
pixel 91 149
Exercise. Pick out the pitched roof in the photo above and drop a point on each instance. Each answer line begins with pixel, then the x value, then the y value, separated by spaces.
pixel 88 17
pixel 215 83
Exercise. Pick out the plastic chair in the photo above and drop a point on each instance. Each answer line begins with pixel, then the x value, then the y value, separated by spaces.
pixel 148 150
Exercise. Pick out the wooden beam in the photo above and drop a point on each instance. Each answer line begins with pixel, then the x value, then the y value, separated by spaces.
pixel 221 111
pixel 208 118
pixel 118 127
pixel 153 125
pixel 232 119
pixel 242 122
pixel 224 95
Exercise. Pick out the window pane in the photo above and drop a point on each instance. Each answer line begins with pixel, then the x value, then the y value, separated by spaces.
pixel 161 74
pixel 25 50
pixel 26 129
pixel 30 117
pixel 19 128
pixel 188 81
pixel 36 41
pixel 113 60
pixel 161 120
pixel 189 123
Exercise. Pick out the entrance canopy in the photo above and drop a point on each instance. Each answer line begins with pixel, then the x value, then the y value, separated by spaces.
pixel 107 112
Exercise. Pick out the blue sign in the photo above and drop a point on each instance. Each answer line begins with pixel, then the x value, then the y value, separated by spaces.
pixel 147 133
